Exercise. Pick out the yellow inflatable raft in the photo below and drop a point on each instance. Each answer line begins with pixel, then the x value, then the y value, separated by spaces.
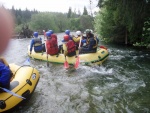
pixel 24 81
pixel 99 57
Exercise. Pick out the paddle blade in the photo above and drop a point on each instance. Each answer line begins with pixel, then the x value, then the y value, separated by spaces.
pixel 10 92
pixel 77 62
pixel 66 65
pixel 27 62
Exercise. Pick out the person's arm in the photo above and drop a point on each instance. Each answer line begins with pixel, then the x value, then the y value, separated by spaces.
pixel 90 46
pixel 31 45
pixel 5 73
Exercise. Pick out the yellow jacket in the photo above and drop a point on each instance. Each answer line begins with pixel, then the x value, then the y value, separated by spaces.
pixel 76 39
pixel 65 49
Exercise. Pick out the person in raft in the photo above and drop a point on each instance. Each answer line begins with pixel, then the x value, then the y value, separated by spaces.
pixel 51 44
pixel 77 39
pixel 91 42
pixel 68 46
pixel 5 74
pixel 67 32
pixel 37 44
pixel 53 35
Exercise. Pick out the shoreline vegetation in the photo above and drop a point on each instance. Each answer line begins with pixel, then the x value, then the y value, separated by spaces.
pixel 110 24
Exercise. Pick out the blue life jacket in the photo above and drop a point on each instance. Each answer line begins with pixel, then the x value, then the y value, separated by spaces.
pixel 37 43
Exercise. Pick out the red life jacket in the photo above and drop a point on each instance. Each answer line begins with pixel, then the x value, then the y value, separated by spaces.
pixel 54 36
pixel 70 46
pixel 52 46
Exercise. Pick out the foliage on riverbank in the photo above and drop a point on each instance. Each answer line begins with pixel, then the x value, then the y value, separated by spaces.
pixel 124 21
pixel 59 22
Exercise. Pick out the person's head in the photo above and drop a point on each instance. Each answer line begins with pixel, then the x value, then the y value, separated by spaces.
pixel 66 38
pixel 51 31
pixel 78 33
pixel 35 34
pixel 67 32
pixel 88 33
pixel 43 30
pixel 48 34
pixel 91 31
pixel 6 28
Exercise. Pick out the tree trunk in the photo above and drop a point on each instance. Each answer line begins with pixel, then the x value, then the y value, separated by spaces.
pixel 126 37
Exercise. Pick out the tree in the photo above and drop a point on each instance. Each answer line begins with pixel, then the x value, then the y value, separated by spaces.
pixel 42 21
pixel 61 21
pixel 122 20
pixel 75 24
pixel 86 22
pixel 85 12
pixel 69 13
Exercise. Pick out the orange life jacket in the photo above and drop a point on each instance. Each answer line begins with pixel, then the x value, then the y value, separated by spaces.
pixel 70 46
pixel 52 46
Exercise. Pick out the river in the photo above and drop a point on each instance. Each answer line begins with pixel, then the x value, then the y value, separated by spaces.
pixel 120 85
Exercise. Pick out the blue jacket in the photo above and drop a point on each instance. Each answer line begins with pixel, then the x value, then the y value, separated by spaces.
pixel 5 75
pixel 90 46
pixel 37 43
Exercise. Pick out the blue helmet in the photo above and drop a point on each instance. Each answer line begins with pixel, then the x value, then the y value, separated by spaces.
pixel 48 34
pixel 35 34
pixel 67 32
pixel 51 31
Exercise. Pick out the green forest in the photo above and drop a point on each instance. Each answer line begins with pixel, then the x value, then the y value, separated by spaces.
pixel 118 21
pixel 59 22
pixel 124 21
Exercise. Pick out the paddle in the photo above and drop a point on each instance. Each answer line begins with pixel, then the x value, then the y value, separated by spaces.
pixel 47 61
pixel 14 94
pixel 47 56
pixel 27 62
pixel 77 59
pixel 66 65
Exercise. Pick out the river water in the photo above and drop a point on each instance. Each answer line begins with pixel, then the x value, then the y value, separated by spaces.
pixel 120 85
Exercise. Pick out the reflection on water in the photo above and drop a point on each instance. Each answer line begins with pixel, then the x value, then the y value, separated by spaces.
pixel 119 85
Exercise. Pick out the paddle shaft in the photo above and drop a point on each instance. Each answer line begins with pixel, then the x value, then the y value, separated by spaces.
pixel 10 92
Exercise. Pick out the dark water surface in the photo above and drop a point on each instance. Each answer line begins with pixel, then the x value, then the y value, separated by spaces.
pixel 119 85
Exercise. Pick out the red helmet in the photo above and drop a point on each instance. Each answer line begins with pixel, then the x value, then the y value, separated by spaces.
pixel 66 38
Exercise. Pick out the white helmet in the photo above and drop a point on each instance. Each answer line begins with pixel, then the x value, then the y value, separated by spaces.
pixel 78 33
pixel 91 30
